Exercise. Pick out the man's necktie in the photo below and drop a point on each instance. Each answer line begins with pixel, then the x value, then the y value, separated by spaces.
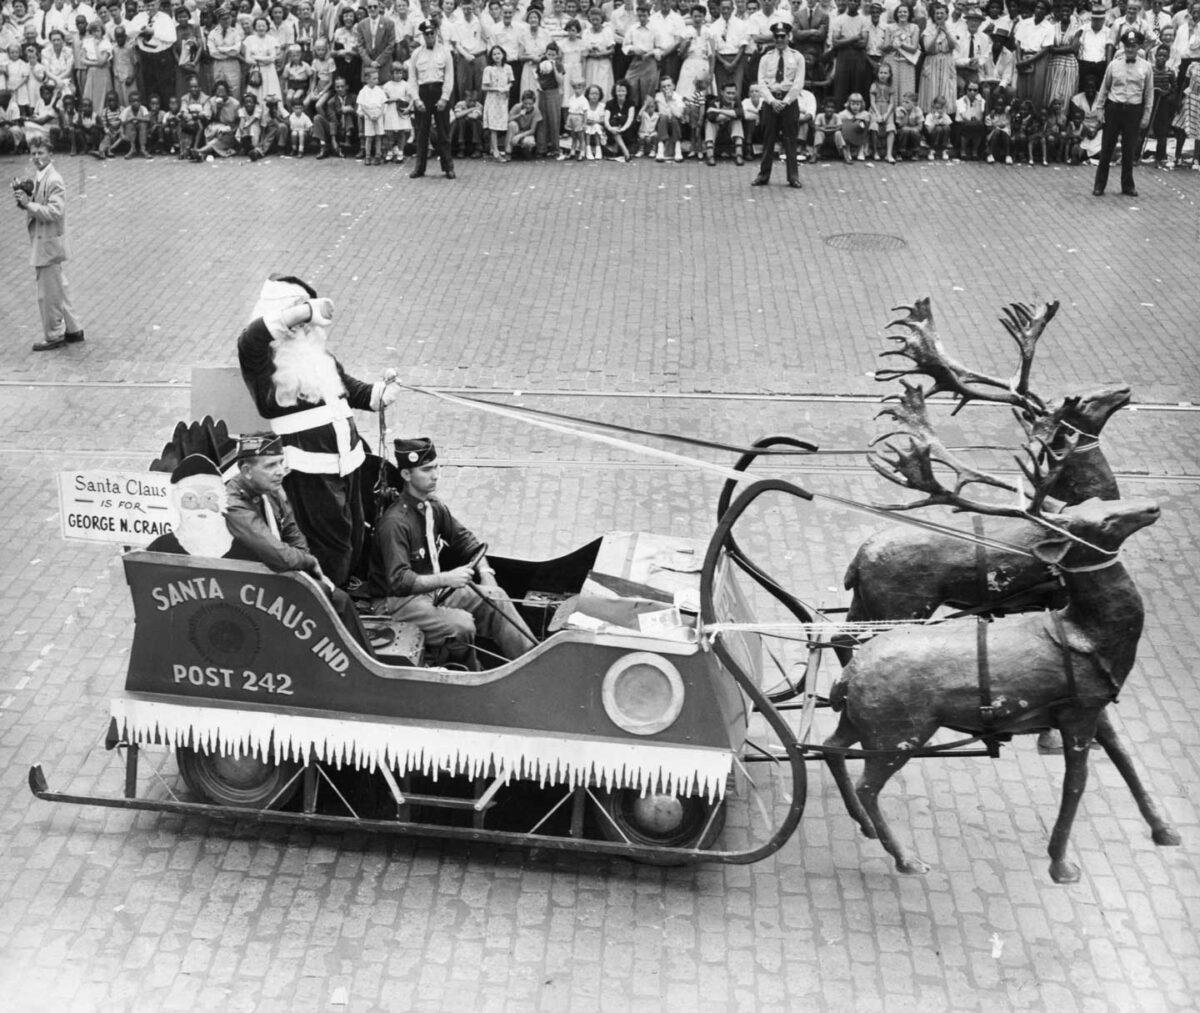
pixel 779 68
pixel 269 515
pixel 431 539
pixel 971 48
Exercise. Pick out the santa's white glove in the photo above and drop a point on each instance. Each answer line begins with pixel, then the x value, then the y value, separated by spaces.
pixel 322 311
pixel 383 395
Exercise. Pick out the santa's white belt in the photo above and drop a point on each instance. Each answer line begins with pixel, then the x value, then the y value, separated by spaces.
pixel 312 462
pixel 311 418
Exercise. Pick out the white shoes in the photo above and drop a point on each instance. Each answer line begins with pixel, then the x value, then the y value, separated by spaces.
pixel 991 158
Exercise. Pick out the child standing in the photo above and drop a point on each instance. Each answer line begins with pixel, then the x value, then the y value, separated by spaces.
pixel 1053 123
pixel 550 75
pixel 370 104
pixel 299 126
pixel 397 113
pixel 320 85
pixel 577 107
pixel 647 127
pixel 883 113
pixel 497 83
pixel 937 129
pixel 1163 110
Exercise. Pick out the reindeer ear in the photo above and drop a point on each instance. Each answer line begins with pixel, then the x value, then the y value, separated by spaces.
pixel 1051 551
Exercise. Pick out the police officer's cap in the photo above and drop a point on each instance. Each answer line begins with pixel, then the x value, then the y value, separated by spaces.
pixel 780 28
pixel 1131 36
pixel 415 452
pixel 254 445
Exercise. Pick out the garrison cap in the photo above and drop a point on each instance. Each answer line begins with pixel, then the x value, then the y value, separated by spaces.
pixel 254 445
pixel 415 452
pixel 194 464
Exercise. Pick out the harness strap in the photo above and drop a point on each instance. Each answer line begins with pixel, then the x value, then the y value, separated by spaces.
pixel 981 581
pixel 1065 647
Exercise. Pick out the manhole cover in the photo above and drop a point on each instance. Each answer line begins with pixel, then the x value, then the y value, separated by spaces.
pixel 874 241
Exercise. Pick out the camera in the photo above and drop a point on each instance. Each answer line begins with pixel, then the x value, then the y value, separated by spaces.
pixel 19 184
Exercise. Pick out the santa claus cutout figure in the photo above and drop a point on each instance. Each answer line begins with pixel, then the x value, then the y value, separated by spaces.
pixel 307 398
pixel 198 508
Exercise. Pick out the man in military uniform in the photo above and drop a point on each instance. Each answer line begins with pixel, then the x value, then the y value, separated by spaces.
pixel 781 77
pixel 418 554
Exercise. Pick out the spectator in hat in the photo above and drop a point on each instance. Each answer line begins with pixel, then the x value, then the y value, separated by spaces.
pixel 1126 98
pixel 418 569
pixel 1093 45
pixel 260 518
pixel 973 54
pixel 307 397
pixel 781 77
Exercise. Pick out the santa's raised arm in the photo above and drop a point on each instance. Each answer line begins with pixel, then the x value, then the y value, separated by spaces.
pixel 308 400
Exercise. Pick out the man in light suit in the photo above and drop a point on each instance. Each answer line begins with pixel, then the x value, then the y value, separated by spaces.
pixel 46 210
pixel 377 40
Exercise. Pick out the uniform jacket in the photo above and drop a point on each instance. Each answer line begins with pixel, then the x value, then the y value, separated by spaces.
pixel 47 215
pixel 399 553
pixel 247 523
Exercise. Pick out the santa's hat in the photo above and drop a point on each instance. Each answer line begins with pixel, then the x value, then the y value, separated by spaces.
pixel 278 293
pixel 194 464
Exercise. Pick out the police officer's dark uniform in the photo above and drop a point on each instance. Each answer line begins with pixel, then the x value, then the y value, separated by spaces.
pixel 781 77
pixel 1126 100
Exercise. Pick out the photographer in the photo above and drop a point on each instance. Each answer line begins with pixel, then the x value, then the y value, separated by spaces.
pixel 44 199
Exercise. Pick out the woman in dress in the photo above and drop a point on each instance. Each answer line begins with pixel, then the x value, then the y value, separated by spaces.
pixel 1187 121
pixel 282 30
pixel 598 43
pixel 620 120
pixel 260 53
pixel 189 47
pixel 306 30
pixel 59 61
pixel 571 48
pixel 225 48
pixel 1063 73
pixel 96 58
pixel 345 50
pixel 533 48
pixel 939 79
pixel 1034 36
pixel 901 50
pixel 696 49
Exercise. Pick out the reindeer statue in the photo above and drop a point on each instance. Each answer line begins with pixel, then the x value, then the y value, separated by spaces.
pixel 1017 673
pixel 907 573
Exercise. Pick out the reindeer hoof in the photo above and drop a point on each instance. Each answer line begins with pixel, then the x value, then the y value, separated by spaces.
pixel 911 866
pixel 1063 871
pixel 869 831
pixel 1166 836
pixel 1050 741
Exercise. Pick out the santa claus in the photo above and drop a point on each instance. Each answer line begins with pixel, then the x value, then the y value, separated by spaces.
pixel 307 398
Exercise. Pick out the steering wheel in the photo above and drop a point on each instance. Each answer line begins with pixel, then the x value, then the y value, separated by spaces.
pixel 472 563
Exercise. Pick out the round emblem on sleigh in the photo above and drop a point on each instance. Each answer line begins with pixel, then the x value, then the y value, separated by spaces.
pixel 224 634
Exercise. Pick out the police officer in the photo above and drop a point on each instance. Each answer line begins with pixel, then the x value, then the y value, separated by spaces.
pixel 1125 100
pixel 431 69
pixel 781 77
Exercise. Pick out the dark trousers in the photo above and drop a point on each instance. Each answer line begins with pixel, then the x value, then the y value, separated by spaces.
pixel 439 120
pixel 329 511
pixel 1121 121
pixel 468 75
pixel 782 125
pixel 158 75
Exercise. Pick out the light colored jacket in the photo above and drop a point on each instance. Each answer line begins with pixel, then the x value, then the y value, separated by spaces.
pixel 47 214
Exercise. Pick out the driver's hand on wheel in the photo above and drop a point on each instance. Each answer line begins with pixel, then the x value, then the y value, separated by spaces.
pixel 460 576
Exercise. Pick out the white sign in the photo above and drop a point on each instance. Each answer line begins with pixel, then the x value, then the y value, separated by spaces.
pixel 114 506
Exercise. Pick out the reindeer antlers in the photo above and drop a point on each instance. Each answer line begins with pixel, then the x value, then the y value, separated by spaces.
pixel 912 467
pixel 924 349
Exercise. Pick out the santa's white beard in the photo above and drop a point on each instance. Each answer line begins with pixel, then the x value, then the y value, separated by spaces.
pixel 304 371
pixel 203 533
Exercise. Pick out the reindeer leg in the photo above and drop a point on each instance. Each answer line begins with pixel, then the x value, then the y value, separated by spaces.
pixel 1160 830
pixel 1077 733
pixel 844 737
pixel 876 771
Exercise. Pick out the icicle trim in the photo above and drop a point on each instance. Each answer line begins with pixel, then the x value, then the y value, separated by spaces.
pixel 432 751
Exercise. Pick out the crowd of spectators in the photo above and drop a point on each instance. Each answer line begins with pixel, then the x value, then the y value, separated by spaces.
pixel 1015 80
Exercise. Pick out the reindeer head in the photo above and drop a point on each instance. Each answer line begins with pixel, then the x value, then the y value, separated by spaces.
pixel 1099 529
pixel 1094 408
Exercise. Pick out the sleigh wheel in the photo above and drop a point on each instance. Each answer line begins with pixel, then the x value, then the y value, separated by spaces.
pixel 660 820
pixel 244 781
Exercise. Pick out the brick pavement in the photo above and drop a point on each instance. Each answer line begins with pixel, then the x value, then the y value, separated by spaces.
pixel 111 911
pixel 612 277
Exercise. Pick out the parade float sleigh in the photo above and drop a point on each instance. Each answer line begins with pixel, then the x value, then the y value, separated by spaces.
pixel 647 722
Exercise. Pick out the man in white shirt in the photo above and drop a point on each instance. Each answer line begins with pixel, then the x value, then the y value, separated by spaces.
pixel 731 42
pixel 969 113
pixel 669 24
pixel 1093 45
pixel 467 42
pixel 156 53
pixel 644 46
